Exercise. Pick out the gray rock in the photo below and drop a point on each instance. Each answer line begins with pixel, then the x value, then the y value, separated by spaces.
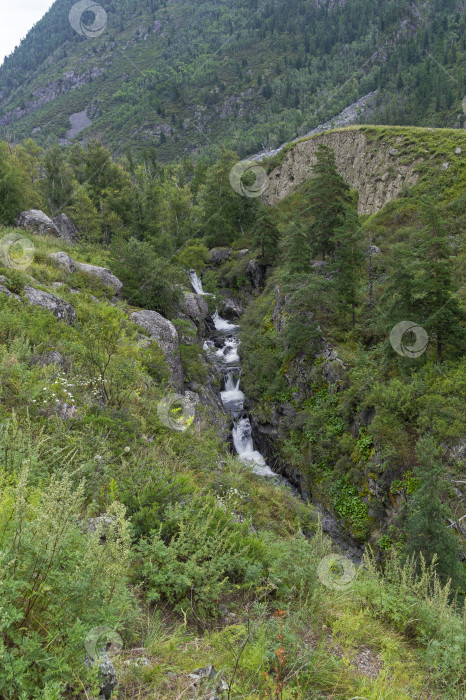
pixel 64 261
pixel 164 333
pixel 103 274
pixel 35 221
pixel 393 152
pixel 457 151
pixel 242 253
pixel 373 250
pixel 256 273
pixel 231 309
pixel 67 229
pixel 60 309
pixel 444 166
pixel 66 411
pixel 107 676
pixel 319 265
pixel 194 306
pixel 49 358
pixel 218 255
pixel 4 290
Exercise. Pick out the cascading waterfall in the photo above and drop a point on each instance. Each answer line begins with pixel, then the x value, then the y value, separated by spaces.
pixel 196 283
pixel 225 352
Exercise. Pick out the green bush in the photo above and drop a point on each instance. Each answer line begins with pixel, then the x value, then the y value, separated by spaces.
pixel 57 583
pixel 199 555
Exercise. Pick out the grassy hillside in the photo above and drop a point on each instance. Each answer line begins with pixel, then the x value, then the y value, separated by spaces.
pixel 186 77
pixel 198 561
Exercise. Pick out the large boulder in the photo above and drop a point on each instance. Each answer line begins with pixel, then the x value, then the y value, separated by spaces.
pixel 60 309
pixel 256 273
pixel 231 308
pixel 103 274
pixel 194 306
pixel 35 221
pixel 218 255
pixel 164 333
pixel 64 261
pixel 67 229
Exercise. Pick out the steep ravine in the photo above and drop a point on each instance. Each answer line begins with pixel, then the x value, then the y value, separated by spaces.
pixel 252 442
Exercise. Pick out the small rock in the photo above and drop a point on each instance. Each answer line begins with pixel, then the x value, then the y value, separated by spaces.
pixel 444 166
pixel 4 290
pixel 373 250
pixel 393 152
pixel 458 151
pixel 65 411
pixel 49 358
pixel 207 672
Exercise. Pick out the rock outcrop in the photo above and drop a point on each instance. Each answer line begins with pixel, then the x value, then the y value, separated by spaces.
pixel 256 273
pixel 67 229
pixel 219 255
pixel 64 261
pixel 60 309
pixel 194 306
pixel 375 170
pixel 36 222
pixel 164 333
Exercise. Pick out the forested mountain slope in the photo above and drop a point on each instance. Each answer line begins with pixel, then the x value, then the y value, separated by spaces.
pixel 185 76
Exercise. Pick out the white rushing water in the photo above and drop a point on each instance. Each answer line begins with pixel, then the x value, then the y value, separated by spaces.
pixel 225 351
pixel 221 324
pixel 196 283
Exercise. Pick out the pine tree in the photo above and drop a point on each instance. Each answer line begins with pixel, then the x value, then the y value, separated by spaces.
pixel 329 197
pixel 266 237
pixel 425 527
pixel 297 248
pixel 348 258
pixel 436 297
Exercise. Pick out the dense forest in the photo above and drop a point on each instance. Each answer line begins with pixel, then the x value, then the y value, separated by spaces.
pixel 187 77
pixel 205 579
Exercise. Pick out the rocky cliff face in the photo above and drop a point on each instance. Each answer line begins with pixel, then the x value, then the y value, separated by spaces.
pixel 376 169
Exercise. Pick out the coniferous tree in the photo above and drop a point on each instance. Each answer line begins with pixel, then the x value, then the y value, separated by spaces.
pixel 329 197
pixel 436 297
pixel 297 249
pixel 425 527
pixel 348 258
pixel 266 237
pixel 12 197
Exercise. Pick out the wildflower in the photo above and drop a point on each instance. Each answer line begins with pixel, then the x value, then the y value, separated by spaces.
pixel 127 449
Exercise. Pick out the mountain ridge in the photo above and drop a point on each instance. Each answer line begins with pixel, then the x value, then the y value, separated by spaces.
pixel 184 77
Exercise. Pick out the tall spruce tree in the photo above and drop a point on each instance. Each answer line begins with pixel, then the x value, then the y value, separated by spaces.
pixel 266 236
pixel 329 196
pixel 426 528
pixel 298 249
pixel 436 299
pixel 348 258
